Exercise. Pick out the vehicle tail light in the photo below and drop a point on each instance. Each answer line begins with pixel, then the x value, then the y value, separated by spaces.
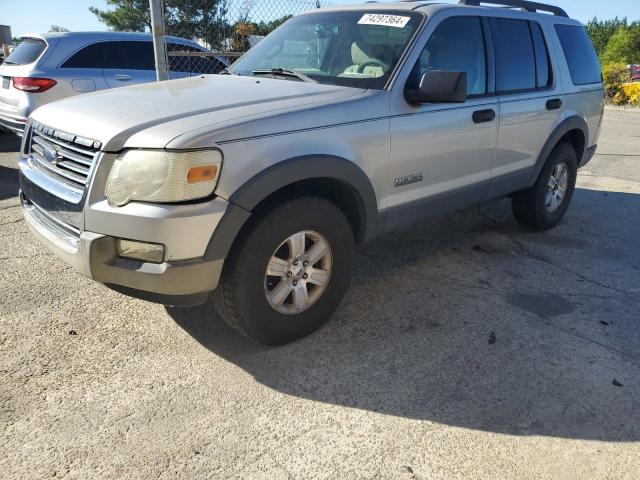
pixel 33 85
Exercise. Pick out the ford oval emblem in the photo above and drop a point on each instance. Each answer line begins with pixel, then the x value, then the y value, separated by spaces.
pixel 51 155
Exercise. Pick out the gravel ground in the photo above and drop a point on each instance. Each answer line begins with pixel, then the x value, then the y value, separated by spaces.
pixel 467 348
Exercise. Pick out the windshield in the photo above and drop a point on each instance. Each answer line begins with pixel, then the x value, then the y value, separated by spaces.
pixel 27 52
pixel 355 49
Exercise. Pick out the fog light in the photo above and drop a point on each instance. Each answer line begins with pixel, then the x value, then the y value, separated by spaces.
pixel 147 252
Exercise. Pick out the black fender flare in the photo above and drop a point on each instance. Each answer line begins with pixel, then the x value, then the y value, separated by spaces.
pixel 570 123
pixel 244 200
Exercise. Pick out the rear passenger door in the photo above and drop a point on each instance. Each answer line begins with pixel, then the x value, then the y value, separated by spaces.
pixel 129 62
pixel 530 100
pixel 82 71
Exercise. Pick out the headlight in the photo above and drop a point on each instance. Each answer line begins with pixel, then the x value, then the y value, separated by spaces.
pixel 163 176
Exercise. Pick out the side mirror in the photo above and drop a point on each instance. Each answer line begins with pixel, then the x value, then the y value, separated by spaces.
pixel 439 86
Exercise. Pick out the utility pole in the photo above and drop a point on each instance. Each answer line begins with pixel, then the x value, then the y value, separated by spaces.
pixel 159 44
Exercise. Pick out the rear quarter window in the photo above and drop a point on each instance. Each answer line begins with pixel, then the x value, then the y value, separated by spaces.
pixel 580 54
pixel 27 52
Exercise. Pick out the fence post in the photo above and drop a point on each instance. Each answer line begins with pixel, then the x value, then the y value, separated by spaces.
pixel 159 43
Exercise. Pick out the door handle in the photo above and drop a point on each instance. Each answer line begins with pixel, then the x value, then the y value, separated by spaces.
pixel 122 77
pixel 554 104
pixel 481 116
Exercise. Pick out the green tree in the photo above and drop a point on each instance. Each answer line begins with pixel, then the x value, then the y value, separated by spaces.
pixel 199 20
pixel 618 49
pixel 127 16
pixel 58 28
pixel 634 42
pixel 601 31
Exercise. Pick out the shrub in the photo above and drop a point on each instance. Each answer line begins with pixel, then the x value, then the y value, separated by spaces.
pixel 615 75
pixel 632 93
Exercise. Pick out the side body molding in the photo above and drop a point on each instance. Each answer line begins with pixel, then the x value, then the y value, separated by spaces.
pixel 249 195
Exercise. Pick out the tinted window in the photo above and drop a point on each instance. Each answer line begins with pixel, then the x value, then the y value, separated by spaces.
pixel 515 61
pixel 580 54
pixel 91 56
pixel 543 67
pixel 457 45
pixel 193 64
pixel 206 65
pixel 130 56
pixel 27 52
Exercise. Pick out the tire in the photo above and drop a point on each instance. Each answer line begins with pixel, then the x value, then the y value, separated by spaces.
pixel 247 299
pixel 533 206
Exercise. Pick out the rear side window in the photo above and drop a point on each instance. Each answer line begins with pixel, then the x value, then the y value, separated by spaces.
pixel 130 56
pixel 457 45
pixel 580 54
pixel 27 52
pixel 515 57
pixel 543 65
pixel 91 56
pixel 192 64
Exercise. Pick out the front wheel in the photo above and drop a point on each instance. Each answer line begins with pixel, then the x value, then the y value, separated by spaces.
pixel 288 271
pixel 545 203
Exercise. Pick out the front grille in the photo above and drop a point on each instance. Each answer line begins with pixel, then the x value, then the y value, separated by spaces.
pixel 64 157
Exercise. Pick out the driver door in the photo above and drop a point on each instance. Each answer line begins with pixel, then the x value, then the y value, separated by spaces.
pixel 442 153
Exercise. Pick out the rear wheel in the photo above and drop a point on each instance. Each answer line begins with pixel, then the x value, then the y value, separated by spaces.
pixel 288 271
pixel 545 203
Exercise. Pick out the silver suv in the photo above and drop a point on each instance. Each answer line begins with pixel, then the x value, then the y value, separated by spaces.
pixel 341 125
pixel 48 67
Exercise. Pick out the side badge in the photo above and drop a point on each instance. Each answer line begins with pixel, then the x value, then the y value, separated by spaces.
pixel 407 179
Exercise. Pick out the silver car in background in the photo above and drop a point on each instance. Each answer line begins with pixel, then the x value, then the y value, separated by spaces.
pixel 52 66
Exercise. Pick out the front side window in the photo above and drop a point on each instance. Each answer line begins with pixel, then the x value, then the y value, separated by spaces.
pixel 91 56
pixel 357 49
pixel 581 56
pixel 457 45
pixel 130 55
pixel 27 52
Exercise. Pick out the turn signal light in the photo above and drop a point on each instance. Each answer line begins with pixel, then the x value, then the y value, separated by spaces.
pixel 33 85
pixel 202 173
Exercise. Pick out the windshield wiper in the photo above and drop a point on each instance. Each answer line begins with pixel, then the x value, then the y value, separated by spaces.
pixel 284 72
pixel 9 62
pixel 226 71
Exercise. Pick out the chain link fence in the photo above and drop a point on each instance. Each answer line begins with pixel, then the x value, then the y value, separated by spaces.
pixel 225 28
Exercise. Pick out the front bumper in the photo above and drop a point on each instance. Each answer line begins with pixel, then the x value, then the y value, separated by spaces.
pixel 180 283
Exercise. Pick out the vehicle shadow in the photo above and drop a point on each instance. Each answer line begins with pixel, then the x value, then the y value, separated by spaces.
pixel 9 142
pixel 434 353
pixel 8 182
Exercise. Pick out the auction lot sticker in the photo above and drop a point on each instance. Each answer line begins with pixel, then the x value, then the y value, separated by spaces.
pixel 387 20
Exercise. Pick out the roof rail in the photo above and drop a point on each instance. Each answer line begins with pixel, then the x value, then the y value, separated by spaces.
pixel 523 4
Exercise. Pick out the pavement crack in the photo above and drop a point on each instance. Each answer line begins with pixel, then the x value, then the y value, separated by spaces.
pixel 9 206
pixel 541 258
pixel 12 221
pixel 618 154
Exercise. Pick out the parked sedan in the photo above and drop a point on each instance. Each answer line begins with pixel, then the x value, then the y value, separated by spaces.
pixel 48 67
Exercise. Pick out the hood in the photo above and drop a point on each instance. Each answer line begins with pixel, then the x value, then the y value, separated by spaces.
pixel 115 116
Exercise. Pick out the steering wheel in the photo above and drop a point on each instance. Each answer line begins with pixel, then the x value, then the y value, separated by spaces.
pixel 372 62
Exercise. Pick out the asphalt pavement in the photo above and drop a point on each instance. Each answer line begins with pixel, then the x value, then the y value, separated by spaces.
pixel 467 348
